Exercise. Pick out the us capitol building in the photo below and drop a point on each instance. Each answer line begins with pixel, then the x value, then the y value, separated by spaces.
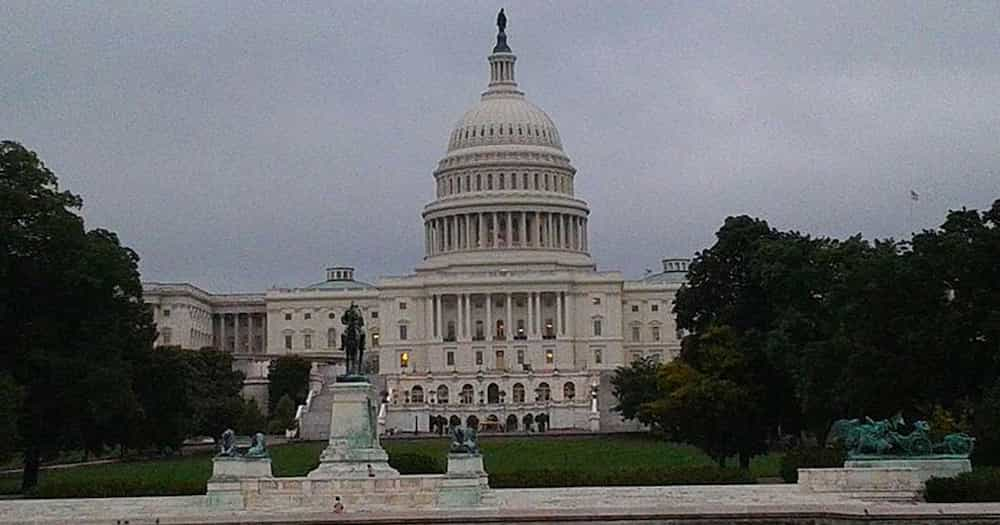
pixel 506 318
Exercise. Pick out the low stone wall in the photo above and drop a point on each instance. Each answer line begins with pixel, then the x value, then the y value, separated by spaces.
pixel 376 494
pixel 866 483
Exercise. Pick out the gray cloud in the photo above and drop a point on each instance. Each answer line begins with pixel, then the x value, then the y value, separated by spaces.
pixel 242 145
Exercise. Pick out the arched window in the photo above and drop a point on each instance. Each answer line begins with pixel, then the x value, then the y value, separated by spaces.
pixel 417 394
pixel 331 338
pixel 511 423
pixel 454 421
pixel 500 181
pixel 518 393
pixel 569 390
pixel 442 395
pixel 467 395
pixel 544 393
pixel 473 423
pixel 489 181
pixel 493 394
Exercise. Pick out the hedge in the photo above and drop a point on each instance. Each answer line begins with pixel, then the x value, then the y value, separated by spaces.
pixel 416 463
pixel 809 457
pixel 700 475
pixel 982 484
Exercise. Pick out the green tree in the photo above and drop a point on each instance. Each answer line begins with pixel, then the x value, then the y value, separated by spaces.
pixel 213 391
pixel 10 406
pixel 161 380
pixel 288 375
pixel 633 386
pixel 283 416
pixel 71 302
pixel 251 420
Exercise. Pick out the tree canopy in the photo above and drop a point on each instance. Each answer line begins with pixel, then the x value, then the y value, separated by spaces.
pixel 786 331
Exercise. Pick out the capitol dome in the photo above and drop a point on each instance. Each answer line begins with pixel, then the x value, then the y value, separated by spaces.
pixel 504 188
pixel 504 119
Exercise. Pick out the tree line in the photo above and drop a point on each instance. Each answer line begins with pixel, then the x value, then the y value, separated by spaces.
pixel 785 332
pixel 78 369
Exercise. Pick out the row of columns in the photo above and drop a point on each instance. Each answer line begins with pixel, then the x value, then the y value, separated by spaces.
pixel 243 339
pixel 534 324
pixel 474 231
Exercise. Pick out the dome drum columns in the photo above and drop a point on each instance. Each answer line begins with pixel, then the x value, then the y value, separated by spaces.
pixel 505 230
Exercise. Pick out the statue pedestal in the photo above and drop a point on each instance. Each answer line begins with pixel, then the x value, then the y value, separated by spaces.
pixel 353 450
pixel 224 489
pixel 226 468
pixel 465 483
pixel 923 468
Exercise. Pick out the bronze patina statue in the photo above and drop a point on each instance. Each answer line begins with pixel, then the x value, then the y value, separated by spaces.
pixel 884 438
pixel 463 441
pixel 352 341
pixel 258 447
pixel 228 447
pixel 501 46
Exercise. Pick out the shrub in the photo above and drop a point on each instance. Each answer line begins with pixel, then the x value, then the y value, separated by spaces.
pixel 700 475
pixel 809 457
pixel 977 486
pixel 283 416
pixel 416 463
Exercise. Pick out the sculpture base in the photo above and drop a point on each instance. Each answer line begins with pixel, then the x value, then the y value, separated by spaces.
pixel 352 378
pixel 353 450
pixel 465 483
pixel 237 467
pixel 923 468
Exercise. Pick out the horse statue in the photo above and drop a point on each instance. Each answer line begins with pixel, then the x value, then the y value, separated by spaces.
pixel 352 341
pixel 886 438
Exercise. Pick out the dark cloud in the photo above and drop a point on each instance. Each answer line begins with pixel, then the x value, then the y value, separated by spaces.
pixel 240 145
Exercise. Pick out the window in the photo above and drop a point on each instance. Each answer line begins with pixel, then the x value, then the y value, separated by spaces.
pixel 288 317
pixel 479 331
pixel 500 333
pixel 655 307
pixel 597 327
pixel 550 332
pixel 417 394
pixel 402 305
pixel 569 390
pixel 331 315
pixel 375 338
pixel 166 312
pixel 500 181
pixel 450 331
pixel 543 392
pixel 166 336
pixel 520 329
pixel 499 361
pixel 288 342
pixel 307 341
pixel 467 395
pixel 598 357
pixel 489 181
pixel 518 393
pixel 308 316
pixel 479 182
pixel 374 314
pixel 479 357
pixel 404 359
pixel 331 338
pixel 442 395
pixel 635 308
pixel 520 357
pixel 402 332
pixel 549 357
pixel 450 358
pixel 635 333
pixel 596 300
pixel 656 333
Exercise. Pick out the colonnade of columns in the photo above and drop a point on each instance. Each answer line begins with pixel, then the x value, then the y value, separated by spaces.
pixel 500 229
pixel 471 316
pixel 238 332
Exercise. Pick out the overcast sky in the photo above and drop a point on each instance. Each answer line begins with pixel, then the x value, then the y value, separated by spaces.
pixel 240 145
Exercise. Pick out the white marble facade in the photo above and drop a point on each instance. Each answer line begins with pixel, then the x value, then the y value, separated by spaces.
pixel 506 315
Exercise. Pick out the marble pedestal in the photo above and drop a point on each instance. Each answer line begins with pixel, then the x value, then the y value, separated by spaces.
pixel 465 483
pixel 224 488
pixel 923 468
pixel 353 450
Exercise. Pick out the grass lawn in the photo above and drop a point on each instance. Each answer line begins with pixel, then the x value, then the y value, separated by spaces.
pixel 188 474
